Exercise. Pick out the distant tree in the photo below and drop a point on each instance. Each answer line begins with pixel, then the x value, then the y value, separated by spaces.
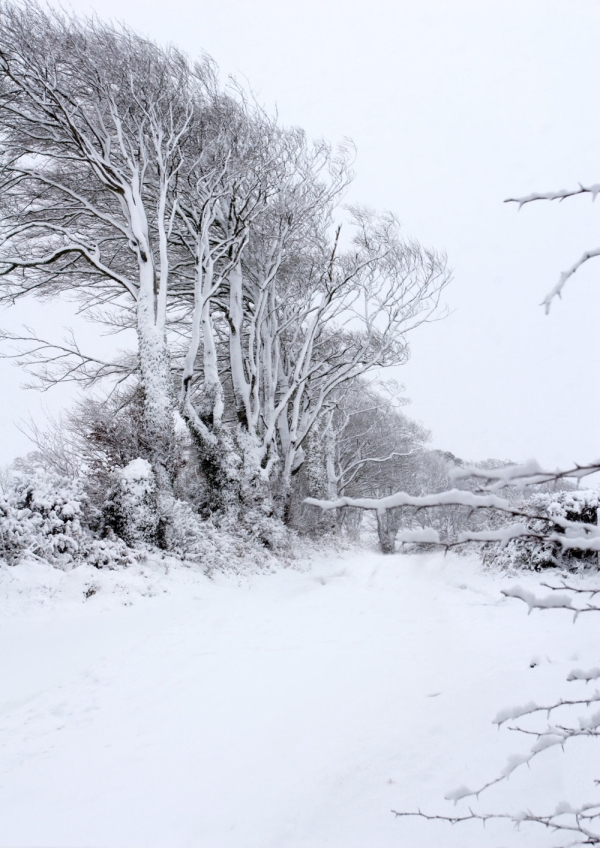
pixel 364 442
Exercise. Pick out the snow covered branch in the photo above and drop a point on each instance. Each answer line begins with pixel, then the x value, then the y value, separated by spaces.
pixel 561 195
pixel 582 821
pixel 527 474
pixel 556 195
pixel 51 363
pixel 565 819
pixel 557 290
pixel 557 600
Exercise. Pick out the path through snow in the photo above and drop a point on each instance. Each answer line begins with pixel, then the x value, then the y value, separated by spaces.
pixel 286 710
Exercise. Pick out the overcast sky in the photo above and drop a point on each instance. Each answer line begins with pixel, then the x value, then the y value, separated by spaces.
pixel 453 106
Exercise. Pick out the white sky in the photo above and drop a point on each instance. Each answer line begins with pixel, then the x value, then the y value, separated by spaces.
pixel 453 105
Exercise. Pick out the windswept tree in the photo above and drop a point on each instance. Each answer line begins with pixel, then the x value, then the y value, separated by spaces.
pixel 277 317
pixel 132 182
pixel 239 211
pixel 93 123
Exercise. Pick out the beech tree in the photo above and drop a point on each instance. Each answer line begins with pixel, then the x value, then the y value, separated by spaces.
pixel 162 203
pixel 278 318
pixel 238 229
pixel 93 120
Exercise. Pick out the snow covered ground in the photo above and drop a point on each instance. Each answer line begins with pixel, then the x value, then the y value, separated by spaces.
pixel 285 710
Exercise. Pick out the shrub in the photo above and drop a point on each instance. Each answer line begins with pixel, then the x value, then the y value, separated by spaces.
pixel 111 553
pixel 41 515
pixel 131 509
pixel 544 552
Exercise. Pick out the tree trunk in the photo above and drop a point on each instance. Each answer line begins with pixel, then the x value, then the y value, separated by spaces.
pixel 387 529
pixel 155 373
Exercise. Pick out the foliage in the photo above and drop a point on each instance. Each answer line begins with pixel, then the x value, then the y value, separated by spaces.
pixel 41 515
pixel 131 510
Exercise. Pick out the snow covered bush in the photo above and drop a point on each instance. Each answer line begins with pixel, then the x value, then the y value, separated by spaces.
pixel 185 534
pixel 231 543
pixel 131 509
pixel 111 553
pixel 542 550
pixel 13 534
pixel 259 526
pixel 41 515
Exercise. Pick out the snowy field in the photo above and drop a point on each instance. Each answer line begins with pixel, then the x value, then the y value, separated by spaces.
pixel 284 710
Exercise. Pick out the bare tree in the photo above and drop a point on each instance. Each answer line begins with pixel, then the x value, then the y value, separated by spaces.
pixel 278 317
pixel 234 209
pixel 93 119
pixel 353 318
pixel 163 204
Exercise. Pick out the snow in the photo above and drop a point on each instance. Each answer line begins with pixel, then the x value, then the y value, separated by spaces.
pixel 459 497
pixel 158 707
pixel 137 469
pixel 551 601
pixel 508 713
pixel 428 534
pixel 578 674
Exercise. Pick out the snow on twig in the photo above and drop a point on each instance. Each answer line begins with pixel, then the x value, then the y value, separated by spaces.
pixel 557 290
pixel 565 819
pixel 560 195
pixel 529 473
pixel 554 601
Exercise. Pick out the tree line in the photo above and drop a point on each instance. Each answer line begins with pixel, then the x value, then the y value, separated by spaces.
pixel 175 207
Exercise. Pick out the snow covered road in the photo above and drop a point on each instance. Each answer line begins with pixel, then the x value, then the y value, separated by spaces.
pixel 286 710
